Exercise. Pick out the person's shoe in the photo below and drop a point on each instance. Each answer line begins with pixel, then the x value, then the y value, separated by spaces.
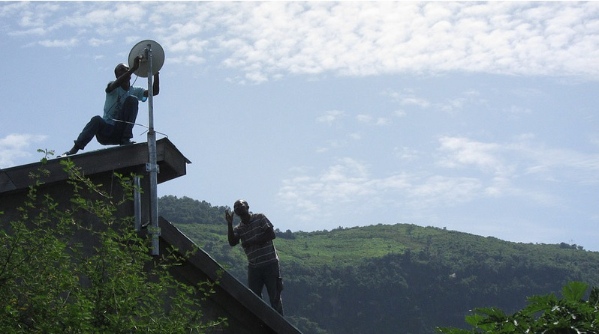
pixel 127 142
pixel 72 151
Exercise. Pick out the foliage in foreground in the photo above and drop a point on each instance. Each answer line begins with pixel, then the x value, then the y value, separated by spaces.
pixel 51 284
pixel 543 314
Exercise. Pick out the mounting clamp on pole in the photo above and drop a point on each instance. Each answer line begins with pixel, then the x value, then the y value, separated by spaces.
pixel 152 168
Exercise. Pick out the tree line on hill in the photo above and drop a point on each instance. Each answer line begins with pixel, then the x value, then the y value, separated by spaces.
pixel 393 279
pixel 374 279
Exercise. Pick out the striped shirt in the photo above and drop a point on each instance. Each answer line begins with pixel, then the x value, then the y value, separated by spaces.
pixel 258 254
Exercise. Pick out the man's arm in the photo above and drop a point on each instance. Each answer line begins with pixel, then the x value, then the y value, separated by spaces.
pixel 233 240
pixel 155 86
pixel 126 76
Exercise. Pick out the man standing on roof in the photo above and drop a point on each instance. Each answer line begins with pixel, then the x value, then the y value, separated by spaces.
pixel 120 110
pixel 256 234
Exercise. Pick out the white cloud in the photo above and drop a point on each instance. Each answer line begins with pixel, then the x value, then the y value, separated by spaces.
pixel 520 170
pixel 15 146
pixel 517 110
pixel 444 191
pixel 99 42
pixel 333 144
pixel 405 153
pixel 369 119
pixel 355 136
pixel 463 151
pixel 513 162
pixel 59 43
pixel 363 118
pixel 562 165
pixel 407 98
pixel 268 39
pixel 410 100
pixel 400 113
pixel 330 116
pixel 347 180
pixel 349 183
pixel 375 38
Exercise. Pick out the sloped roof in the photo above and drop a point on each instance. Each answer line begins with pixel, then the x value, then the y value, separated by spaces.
pixel 254 312
pixel 247 312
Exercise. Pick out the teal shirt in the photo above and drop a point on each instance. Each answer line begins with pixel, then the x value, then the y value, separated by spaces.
pixel 114 101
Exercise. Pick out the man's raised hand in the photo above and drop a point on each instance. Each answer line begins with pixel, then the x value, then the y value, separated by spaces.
pixel 136 62
pixel 229 217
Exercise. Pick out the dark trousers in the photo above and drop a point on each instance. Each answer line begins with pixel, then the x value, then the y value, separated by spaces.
pixel 269 276
pixel 111 134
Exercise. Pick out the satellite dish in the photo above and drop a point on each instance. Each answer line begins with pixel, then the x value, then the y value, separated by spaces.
pixel 140 50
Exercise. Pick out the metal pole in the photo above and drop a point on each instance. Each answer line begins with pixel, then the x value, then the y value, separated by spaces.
pixel 137 202
pixel 152 166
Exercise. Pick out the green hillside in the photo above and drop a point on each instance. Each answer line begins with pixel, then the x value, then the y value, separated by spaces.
pixel 393 278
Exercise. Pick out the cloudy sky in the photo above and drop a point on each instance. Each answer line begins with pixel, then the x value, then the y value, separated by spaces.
pixel 477 117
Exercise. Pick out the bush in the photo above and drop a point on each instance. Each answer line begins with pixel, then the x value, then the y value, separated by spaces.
pixel 544 314
pixel 49 284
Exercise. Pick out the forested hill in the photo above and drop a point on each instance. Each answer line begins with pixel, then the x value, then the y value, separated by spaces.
pixel 392 278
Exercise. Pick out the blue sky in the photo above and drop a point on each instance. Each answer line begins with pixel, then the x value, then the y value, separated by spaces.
pixel 476 117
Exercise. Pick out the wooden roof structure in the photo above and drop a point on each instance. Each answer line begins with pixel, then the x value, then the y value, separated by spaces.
pixel 245 312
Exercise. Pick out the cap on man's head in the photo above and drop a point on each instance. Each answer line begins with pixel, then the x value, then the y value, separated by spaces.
pixel 119 68
pixel 240 202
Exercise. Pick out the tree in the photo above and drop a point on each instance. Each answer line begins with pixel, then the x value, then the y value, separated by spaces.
pixel 544 314
pixel 50 284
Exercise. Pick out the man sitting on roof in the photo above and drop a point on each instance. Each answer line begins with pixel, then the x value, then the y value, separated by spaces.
pixel 120 110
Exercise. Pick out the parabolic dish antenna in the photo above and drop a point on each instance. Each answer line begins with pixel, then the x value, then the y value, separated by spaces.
pixel 140 50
